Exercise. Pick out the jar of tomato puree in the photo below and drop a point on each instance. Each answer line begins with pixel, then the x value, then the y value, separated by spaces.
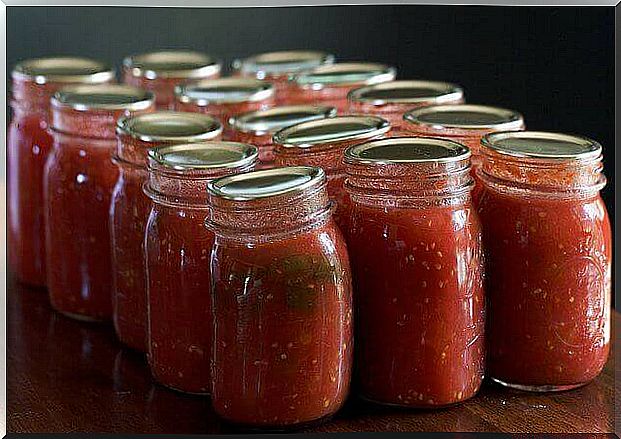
pixel 391 100
pixel 329 84
pixel 161 71
pixel 79 180
pixel 281 297
pixel 178 247
pixel 130 209
pixel 259 127
pixel 548 250
pixel 29 144
pixel 322 143
pixel 415 248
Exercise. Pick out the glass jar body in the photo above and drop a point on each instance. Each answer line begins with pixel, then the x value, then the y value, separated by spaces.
pixel 262 141
pixel 333 96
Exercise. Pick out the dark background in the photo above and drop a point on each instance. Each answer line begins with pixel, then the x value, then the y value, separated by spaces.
pixel 555 65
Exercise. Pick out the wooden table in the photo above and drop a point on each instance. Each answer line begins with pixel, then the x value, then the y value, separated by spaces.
pixel 66 376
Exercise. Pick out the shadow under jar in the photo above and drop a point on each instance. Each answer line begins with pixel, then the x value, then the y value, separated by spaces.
pixel 161 71
pixel 282 300
pixel 28 145
pixel 415 248
pixel 79 180
pixel 322 143
pixel 330 84
pixel 259 127
pixel 130 209
pixel 391 100
pixel 548 251
pixel 277 67
pixel 177 249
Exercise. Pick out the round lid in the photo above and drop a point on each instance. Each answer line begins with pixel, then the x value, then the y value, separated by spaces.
pixel 465 116
pixel 335 129
pixel 206 155
pixel 343 74
pixel 542 145
pixel 406 150
pixel 172 64
pixel 274 119
pixel 266 183
pixel 169 126
pixel 407 92
pixel 283 62
pixel 103 97
pixel 64 69
pixel 225 90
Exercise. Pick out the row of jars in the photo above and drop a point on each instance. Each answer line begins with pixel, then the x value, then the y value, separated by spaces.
pixel 239 283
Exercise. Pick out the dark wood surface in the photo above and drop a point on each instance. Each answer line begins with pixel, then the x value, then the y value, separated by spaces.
pixel 66 376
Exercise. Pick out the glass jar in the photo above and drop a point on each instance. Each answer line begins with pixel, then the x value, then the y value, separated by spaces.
pixel 29 144
pixel 177 251
pixel 79 180
pixel 322 143
pixel 130 209
pixel 415 248
pixel 391 100
pixel 330 84
pixel 225 97
pixel 259 127
pixel 277 67
pixel 281 298
pixel 161 71
pixel 548 249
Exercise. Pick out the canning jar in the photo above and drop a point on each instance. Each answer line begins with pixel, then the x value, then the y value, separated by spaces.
pixel 322 143
pixel 281 298
pixel 548 248
pixel 177 251
pixel 259 127
pixel 415 248
pixel 79 179
pixel 130 209
pixel 161 71
pixel 28 146
pixel 330 84
pixel 391 100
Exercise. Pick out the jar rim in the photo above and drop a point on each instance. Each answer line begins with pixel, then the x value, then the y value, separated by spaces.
pixel 182 126
pixel 203 156
pixel 282 62
pixel 63 69
pixel 171 63
pixel 105 97
pixel 465 116
pixel 274 119
pixel 346 74
pixel 224 91
pixel 406 92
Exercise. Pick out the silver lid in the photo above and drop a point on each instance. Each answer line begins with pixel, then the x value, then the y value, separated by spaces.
pixel 266 183
pixel 407 92
pixel 206 155
pixel 335 129
pixel 103 97
pixel 344 74
pixel 170 126
pixel 64 69
pixel 281 63
pixel 172 64
pixel 466 117
pixel 406 150
pixel 274 119
pixel 225 91
pixel 542 145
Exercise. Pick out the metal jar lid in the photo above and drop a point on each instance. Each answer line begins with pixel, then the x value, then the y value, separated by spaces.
pixel 224 91
pixel 336 129
pixel 472 117
pixel 346 74
pixel 407 92
pixel 403 150
pixel 107 97
pixel 282 63
pixel 271 120
pixel 267 183
pixel 165 126
pixel 542 145
pixel 172 64
pixel 64 70
pixel 205 155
